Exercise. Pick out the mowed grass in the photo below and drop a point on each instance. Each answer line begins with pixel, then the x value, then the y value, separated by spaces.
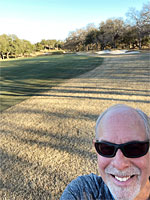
pixel 22 78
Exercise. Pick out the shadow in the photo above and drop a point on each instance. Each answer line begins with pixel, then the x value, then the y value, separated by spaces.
pixel 102 88
pixel 17 82
pixel 96 98
pixel 29 76
pixel 27 179
pixel 21 179
pixel 106 91
pixel 17 78
pixel 16 182
pixel 78 144
pixel 62 146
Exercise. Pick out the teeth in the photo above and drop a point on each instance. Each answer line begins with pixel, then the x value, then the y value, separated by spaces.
pixel 122 179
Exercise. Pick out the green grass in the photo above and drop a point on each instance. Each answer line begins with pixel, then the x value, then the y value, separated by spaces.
pixel 22 78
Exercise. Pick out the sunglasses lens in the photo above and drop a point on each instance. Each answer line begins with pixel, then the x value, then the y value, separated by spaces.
pixel 105 150
pixel 129 149
pixel 136 149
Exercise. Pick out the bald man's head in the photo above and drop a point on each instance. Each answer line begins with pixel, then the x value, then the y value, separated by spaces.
pixel 125 112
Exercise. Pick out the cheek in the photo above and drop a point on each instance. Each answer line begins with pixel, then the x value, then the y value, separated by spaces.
pixel 143 164
pixel 149 164
pixel 103 163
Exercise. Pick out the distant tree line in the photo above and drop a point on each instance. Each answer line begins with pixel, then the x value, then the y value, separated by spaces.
pixel 49 45
pixel 11 46
pixel 114 33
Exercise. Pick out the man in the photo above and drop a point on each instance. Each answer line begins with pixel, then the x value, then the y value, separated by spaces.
pixel 122 145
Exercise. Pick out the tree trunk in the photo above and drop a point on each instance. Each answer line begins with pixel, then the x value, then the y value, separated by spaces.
pixel 2 56
pixel 87 47
pixel 102 47
pixel 140 44
pixel 7 55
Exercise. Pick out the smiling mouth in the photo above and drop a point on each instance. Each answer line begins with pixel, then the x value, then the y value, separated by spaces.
pixel 123 179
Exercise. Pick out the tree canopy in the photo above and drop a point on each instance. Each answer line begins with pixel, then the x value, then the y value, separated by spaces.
pixel 12 46
pixel 112 33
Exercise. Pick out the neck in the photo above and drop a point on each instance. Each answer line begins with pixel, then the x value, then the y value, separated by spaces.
pixel 145 192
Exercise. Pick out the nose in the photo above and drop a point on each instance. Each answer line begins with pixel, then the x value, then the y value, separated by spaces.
pixel 120 162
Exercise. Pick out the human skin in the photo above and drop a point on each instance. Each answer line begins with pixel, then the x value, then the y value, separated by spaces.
pixel 124 176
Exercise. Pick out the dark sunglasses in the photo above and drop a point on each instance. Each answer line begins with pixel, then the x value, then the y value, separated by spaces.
pixel 134 149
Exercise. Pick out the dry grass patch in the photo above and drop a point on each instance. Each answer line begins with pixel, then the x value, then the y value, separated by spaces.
pixel 46 141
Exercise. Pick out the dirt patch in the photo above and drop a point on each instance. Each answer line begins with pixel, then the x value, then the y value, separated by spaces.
pixel 46 141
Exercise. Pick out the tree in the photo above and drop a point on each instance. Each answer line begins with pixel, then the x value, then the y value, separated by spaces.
pixel 38 46
pixel 76 40
pixel 141 21
pixel 111 32
pixel 27 47
pixel 11 45
pixel 17 47
pixel 129 37
pixel 92 38
pixel 59 44
pixel 4 45
pixel 145 13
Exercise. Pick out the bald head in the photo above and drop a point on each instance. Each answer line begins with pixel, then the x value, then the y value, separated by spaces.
pixel 124 114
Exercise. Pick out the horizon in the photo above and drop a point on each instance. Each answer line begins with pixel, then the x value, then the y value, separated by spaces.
pixel 34 20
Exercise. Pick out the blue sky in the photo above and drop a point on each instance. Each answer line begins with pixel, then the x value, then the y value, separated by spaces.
pixel 35 20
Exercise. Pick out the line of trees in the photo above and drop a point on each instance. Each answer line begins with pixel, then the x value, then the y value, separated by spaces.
pixel 49 45
pixel 12 46
pixel 114 33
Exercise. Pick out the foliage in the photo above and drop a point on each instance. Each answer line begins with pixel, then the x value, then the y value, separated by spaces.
pixel 111 32
pixel 48 44
pixel 76 40
pixel 12 46
pixel 114 33
pixel 140 20
pixel 5 45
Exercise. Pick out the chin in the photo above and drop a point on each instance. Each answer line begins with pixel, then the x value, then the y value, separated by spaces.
pixel 124 192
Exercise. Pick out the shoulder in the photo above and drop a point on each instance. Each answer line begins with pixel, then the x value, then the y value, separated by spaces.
pixel 88 182
pixel 86 186
pixel 90 178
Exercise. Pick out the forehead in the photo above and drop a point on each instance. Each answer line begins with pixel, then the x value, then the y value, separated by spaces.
pixel 122 125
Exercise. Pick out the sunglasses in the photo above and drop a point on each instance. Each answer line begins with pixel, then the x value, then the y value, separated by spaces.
pixel 133 149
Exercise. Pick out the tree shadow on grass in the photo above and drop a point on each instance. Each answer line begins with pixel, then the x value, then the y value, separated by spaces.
pixel 87 94
pixel 76 145
pixel 23 179
pixel 16 171
pixel 14 183
pixel 31 76
pixel 103 99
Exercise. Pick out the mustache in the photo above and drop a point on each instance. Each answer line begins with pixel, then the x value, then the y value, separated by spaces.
pixel 130 171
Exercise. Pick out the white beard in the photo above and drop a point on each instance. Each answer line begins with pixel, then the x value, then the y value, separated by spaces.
pixel 127 193
pixel 123 193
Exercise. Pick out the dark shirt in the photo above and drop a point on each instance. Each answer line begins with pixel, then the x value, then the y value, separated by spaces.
pixel 87 187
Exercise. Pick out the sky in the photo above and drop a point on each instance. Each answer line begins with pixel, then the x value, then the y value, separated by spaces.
pixel 35 20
